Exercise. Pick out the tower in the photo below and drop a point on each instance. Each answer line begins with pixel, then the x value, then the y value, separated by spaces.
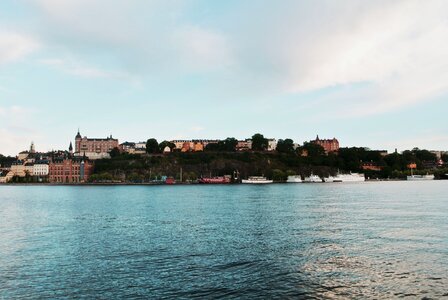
pixel 78 139
pixel 32 149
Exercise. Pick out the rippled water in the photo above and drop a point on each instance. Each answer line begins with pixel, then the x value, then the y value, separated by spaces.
pixel 369 240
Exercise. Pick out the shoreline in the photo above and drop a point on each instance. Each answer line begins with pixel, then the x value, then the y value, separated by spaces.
pixel 185 183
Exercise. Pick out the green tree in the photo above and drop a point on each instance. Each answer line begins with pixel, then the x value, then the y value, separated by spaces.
pixel 278 175
pixel 114 152
pixel 445 157
pixel 259 142
pixel 152 146
pixel 229 144
pixel 285 146
pixel 164 144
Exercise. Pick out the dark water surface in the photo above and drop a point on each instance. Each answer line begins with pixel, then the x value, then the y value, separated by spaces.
pixel 365 240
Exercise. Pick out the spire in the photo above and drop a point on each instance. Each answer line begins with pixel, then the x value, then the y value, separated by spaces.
pixel 78 135
pixel 70 148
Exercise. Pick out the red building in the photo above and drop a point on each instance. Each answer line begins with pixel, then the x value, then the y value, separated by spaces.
pixel 67 170
pixel 329 145
pixel 94 148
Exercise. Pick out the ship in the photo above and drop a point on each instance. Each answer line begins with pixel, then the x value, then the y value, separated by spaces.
pixel 256 180
pixel 352 177
pixel 294 179
pixel 215 180
pixel 329 179
pixel 420 177
pixel 313 179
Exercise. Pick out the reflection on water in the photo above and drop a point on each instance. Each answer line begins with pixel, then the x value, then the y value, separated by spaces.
pixel 370 240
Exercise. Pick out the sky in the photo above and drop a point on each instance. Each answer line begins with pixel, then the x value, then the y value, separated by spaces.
pixel 370 73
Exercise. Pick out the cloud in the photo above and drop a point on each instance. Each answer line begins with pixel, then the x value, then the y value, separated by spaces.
pixel 397 47
pixel 76 68
pixel 15 46
pixel 201 49
pixel 255 49
pixel 14 135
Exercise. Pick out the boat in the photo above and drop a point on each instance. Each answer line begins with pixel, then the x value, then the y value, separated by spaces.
pixel 313 179
pixel 329 179
pixel 215 180
pixel 294 179
pixel 420 177
pixel 352 177
pixel 170 180
pixel 256 180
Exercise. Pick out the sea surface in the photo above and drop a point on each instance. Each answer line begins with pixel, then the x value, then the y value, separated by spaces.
pixel 360 240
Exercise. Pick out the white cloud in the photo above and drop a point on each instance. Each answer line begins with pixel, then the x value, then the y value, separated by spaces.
pixel 201 49
pixel 398 47
pixel 15 46
pixel 14 136
pixel 76 68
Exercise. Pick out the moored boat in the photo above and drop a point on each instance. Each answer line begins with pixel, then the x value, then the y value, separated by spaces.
pixel 215 180
pixel 329 179
pixel 294 179
pixel 420 177
pixel 313 179
pixel 352 177
pixel 256 180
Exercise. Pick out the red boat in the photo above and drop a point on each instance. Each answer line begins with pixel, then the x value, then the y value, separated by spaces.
pixel 170 180
pixel 215 180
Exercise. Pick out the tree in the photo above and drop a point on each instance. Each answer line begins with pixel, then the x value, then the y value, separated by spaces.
pixel 285 146
pixel 445 157
pixel 312 150
pixel 259 142
pixel 152 146
pixel 114 152
pixel 164 144
pixel 229 144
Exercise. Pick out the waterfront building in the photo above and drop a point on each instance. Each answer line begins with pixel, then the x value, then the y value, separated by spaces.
pixel 41 168
pixel 94 148
pixel 329 145
pixel 17 169
pixel 70 170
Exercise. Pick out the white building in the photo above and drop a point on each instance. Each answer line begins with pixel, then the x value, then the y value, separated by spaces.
pixel 272 144
pixel 41 168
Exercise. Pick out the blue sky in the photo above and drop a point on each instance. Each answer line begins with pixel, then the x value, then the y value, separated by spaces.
pixel 371 73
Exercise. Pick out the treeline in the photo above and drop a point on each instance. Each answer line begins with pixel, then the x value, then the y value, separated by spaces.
pixel 276 164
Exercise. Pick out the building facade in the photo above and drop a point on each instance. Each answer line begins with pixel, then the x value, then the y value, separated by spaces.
pixel 67 170
pixel 192 145
pixel 329 145
pixel 94 148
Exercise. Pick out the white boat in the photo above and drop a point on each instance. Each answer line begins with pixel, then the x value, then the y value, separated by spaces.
pixel 352 177
pixel 256 180
pixel 329 179
pixel 313 179
pixel 294 179
pixel 420 177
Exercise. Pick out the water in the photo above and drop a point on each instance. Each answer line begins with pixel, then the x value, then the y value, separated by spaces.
pixel 370 240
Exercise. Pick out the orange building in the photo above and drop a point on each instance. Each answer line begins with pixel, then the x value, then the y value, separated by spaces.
pixel 329 145
pixel 371 166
